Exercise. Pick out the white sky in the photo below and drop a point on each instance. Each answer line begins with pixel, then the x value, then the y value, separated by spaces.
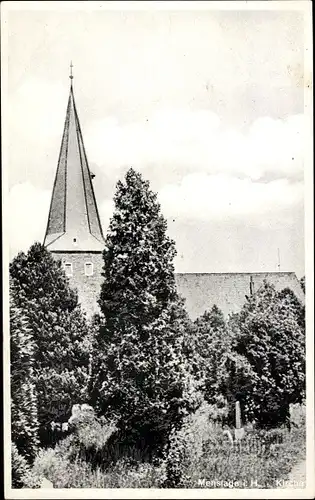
pixel 207 104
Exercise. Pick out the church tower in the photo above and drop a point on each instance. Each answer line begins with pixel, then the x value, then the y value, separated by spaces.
pixel 74 232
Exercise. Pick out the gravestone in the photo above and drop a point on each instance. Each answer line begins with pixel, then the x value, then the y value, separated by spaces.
pixel 239 432
pixel 46 484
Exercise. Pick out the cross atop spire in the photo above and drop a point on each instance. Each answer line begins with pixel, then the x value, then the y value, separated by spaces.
pixel 71 75
pixel 73 222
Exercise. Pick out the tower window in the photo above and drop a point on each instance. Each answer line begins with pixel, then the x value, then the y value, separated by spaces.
pixel 88 268
pixel 68 268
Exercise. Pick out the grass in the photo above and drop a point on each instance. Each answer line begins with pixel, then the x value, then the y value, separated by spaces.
pixel 201 457
pixel 249 464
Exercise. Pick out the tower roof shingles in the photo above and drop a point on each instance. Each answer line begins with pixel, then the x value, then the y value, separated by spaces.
pixel 73 222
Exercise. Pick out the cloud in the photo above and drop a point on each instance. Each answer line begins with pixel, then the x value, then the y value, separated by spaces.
pixel 28 209
pixel 196 140
pixel 203 169
pixel 219 197
pixel 221 173
pixel 192 103
pixel 35 125
pixel 106 210
pixel 38 102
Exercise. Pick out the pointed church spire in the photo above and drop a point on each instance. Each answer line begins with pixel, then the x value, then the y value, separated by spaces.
pixel 71 75
pixel 73 221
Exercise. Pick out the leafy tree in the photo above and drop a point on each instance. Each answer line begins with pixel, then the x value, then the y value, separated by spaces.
pixel 213 320
pixel 211 344
pixel 296 307
pixel 40 289
pixel 302 282
pixel 24 418
pixel 227 375
pixel 140 372
pixel 272 339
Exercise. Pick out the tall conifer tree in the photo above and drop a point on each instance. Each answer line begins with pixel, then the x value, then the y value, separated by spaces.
pixel 24 417
pixel 140 372
pixel 40 289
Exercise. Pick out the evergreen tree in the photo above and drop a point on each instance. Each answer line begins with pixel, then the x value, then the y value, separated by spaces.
pixel 59 330
pixel 212 320
pixel 24 418
pixel 138 260
pixel 286 296
pixel 226 374
pixel 140 372
pixel 212 343
pixel 272 338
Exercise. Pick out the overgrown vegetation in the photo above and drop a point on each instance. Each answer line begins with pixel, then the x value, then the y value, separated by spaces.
pixel 161 389
pixel 198 451
pixel 40 290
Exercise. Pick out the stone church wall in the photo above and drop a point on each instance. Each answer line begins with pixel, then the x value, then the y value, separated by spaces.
pixel 228 290
pixel 88 287
pixel 200 291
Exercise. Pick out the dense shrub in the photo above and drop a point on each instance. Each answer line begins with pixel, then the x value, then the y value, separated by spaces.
pixel 81 461
pixel 199 450
pixel 19 468
pixel 79 474
pixel 298 415
pixel 185 447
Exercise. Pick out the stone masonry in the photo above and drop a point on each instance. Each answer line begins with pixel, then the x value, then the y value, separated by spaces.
pixel 88 287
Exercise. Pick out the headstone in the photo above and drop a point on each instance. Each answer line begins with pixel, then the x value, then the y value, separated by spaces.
pixel 75 410
pixel 227 433
pixel 75 414
pixel 239 434
pixel 87 410
pixel 65 426
pixel 46 484
pixel 237 415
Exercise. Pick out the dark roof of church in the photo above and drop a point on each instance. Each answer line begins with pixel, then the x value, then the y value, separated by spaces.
pixel 73 222
pixel 228 290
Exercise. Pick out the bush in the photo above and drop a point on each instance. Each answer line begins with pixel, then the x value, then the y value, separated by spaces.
pixel 84 458
pixel 65 473
pixel 186 447
pixel 90 440
pixel 226 375
pixel 200 449
pixel 19 468
pixel 298 415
